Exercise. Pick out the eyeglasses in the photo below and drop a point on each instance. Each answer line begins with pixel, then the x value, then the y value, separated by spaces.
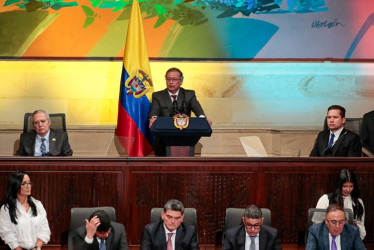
pixel 255 226
pixel 335 222
pixel 172 79
pixel 26 184
pixel 41 121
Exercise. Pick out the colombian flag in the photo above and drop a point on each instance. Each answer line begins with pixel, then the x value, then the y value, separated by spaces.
pixel 135 91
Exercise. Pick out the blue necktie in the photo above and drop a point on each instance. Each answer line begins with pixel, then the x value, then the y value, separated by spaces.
pixel 102 245
pixel 331 142
pixel 333 243
pixel 43 148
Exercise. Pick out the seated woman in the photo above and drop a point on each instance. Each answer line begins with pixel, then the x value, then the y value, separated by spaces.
pixel 24 223
pixel 346 193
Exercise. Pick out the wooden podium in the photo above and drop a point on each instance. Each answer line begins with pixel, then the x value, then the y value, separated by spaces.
pixel 180 143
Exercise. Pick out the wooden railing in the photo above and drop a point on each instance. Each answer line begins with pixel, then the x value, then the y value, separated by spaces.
pixel 287 186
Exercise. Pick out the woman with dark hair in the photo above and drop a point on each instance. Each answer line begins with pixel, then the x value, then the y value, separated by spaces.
pixel 346 193
pixel 24 223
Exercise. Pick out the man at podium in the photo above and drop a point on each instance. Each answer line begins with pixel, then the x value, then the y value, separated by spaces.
pixel 173 101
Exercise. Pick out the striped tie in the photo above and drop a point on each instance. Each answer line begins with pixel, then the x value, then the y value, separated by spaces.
pixel 43 148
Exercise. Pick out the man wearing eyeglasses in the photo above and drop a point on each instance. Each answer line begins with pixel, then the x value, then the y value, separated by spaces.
pixel 253 234
pixel 173 101
pixel 44 141
pixel 334 233
pixel 99 233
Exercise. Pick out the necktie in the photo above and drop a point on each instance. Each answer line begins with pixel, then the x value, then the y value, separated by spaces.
pixel 102 245
pixel 169 244
pixel 333 243
pixel 43 148
pixel 253 243
pixel 174 97
pixel 331 142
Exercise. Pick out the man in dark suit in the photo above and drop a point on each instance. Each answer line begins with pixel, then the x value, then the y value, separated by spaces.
pixel 44 141
pixel 367 131
pixel 173 101
pixel 334 232
pixel 100 233
pixel 170 233
pixel 336 141
pixel 252 234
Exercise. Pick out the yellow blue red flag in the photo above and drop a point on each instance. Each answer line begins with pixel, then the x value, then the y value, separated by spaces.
pixel 135 91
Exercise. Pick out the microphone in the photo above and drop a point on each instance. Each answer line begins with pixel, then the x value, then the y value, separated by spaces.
pixel 323 153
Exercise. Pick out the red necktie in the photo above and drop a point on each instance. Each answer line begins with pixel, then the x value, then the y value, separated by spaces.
pixel 169 245
pixel 174 97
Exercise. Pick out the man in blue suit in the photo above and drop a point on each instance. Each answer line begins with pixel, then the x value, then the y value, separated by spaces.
pixel 334 233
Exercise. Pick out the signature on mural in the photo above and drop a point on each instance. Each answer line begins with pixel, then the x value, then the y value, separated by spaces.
pixel 326 24
pixel 185 12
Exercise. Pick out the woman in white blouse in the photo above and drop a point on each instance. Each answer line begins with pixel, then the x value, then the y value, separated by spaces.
pixel 23 219
pixel 346 193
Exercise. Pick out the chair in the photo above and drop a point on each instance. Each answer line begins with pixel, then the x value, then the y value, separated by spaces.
pixel 352 124
pixel 190 215
pixel 234 217
pixel 317 215
pixel 58 122
pixel 78 216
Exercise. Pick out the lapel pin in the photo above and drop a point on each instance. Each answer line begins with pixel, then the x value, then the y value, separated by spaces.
pixel 53 139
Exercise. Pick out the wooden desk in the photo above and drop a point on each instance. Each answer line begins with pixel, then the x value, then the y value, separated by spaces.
pixel 287 186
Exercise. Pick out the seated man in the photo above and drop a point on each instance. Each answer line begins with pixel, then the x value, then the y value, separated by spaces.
pixel 367 131
pixel 336 141
pixel 252 234
pixel 100 233
pixel 170 233
pixel 334 233
pixel 43 141
pixel 173 101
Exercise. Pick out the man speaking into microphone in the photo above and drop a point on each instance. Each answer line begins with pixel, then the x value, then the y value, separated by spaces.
pixel 173 101
pixel 336 141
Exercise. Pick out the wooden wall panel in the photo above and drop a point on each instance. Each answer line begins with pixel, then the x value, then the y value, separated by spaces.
pixel 288 186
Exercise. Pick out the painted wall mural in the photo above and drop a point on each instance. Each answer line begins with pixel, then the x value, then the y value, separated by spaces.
pixel 190 29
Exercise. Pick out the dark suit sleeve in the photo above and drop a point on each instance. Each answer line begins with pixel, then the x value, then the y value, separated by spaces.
pixel 315 151
pixel 66 150
pixel 79 243
pixel 194 244
pixel 364 131
pixel 155 109
pixel 146 243
pixel 123 240
pixel 312 241
pixel 355 147
pixel 277 244
pixel 226 245
pixel 194 103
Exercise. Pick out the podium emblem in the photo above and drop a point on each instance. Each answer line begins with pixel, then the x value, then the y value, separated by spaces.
pixel 181 122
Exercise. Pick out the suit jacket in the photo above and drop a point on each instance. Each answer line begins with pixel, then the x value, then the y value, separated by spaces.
pixel 367 131
pixel 115 241
pixel 154 237
pixel 318 238
pixel 348 144
pixel 58 144
pixel 234 238
pixel 163 106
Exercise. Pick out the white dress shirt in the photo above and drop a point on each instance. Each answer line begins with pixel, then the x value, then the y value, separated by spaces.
pixel 248 241
pixel 28 228
pixel 38 143
pixel 172 237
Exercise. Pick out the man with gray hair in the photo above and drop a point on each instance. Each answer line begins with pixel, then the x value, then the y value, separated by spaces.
pixel 253 234
pixel 170 233
pixel 44 141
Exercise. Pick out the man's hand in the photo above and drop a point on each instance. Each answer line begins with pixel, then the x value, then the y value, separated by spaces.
pixel 209 122
pixel 151 121
pixel 91 226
